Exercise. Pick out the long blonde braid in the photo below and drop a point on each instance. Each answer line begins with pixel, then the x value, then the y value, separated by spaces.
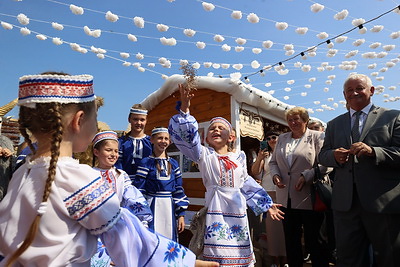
pixel 50 114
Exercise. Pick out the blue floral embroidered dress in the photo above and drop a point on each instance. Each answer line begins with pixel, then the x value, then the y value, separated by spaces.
pixel 131 151
pixel 81 207
pixel 228 190
pixel 130 198
pixel 163 190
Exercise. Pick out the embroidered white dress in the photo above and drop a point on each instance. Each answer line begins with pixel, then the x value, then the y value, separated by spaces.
pixel 130 198
pixel 81 207
pixel 226 237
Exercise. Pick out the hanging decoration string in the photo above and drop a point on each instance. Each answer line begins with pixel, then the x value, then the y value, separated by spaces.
pixel 321 43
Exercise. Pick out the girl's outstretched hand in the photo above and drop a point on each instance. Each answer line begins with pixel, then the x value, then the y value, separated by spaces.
pixel 275 212
pixel 200 263
pixel 186 95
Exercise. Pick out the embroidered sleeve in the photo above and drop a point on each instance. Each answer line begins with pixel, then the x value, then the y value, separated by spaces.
pixel 134 201
pixel 95 206
pixel 183 129
pixel 256 197
pixel 243 161
pixel 180 199
pixel 129 243
pixel 140 178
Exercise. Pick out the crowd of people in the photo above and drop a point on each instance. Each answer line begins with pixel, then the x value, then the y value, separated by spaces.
pixel 127 208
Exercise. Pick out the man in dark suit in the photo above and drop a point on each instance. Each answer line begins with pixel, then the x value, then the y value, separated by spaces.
pixel 364 147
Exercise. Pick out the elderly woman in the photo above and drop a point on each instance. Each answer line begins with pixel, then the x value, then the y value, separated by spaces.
pixel 292 172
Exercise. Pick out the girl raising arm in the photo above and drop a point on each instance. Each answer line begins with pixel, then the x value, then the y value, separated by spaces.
pixel 228 189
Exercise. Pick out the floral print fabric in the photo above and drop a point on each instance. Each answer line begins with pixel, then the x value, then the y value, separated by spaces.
pixel 229 189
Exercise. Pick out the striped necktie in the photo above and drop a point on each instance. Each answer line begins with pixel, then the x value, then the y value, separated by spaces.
pixel 355 131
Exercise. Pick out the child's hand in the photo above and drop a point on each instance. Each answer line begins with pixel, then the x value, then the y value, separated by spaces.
pixel 275 212
pixel 186 95
pixel 181 224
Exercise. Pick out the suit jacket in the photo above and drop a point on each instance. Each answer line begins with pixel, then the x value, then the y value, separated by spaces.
pixel 304 159
pixel 377 179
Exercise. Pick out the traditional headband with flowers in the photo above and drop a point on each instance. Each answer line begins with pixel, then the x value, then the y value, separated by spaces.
pixel 138 111
pixel 55 88
pixel 106 135
pixel 159 130
pixel 223 121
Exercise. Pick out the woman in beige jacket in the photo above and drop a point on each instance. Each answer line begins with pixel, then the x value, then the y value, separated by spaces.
pixel 292 172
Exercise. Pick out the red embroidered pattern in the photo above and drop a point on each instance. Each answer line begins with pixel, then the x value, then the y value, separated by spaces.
pixel 88 199
pixel 55 89
pixel 106 135
pixel 108 176
pixel 227 168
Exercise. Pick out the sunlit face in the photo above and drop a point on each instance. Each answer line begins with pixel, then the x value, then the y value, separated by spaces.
pixel 218 135
pixel 160 142
pixel 106 153
pixel 296 123
pixel 138 122
pixel 88 126
pixel 357 93
pixel 272 139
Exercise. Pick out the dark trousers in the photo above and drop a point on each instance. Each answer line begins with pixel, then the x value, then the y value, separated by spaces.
pixel 310 221
pixel 357 228
pixel 256 226
pixel 328 235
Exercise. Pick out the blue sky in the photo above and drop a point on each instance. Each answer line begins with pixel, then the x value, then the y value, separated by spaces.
pixel 122 86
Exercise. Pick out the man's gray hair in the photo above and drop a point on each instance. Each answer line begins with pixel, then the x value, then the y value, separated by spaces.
pixel 358 76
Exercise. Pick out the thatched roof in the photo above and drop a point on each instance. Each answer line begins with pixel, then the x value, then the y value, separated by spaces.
pixel 8 107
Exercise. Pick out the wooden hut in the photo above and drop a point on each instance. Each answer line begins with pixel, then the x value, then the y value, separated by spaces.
pixel 252 112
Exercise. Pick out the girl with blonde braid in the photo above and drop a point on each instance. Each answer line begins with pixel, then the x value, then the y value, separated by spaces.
pixel 56 208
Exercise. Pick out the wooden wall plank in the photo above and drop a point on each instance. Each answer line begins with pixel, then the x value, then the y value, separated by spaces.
pixel 205 105
pixel 194 187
